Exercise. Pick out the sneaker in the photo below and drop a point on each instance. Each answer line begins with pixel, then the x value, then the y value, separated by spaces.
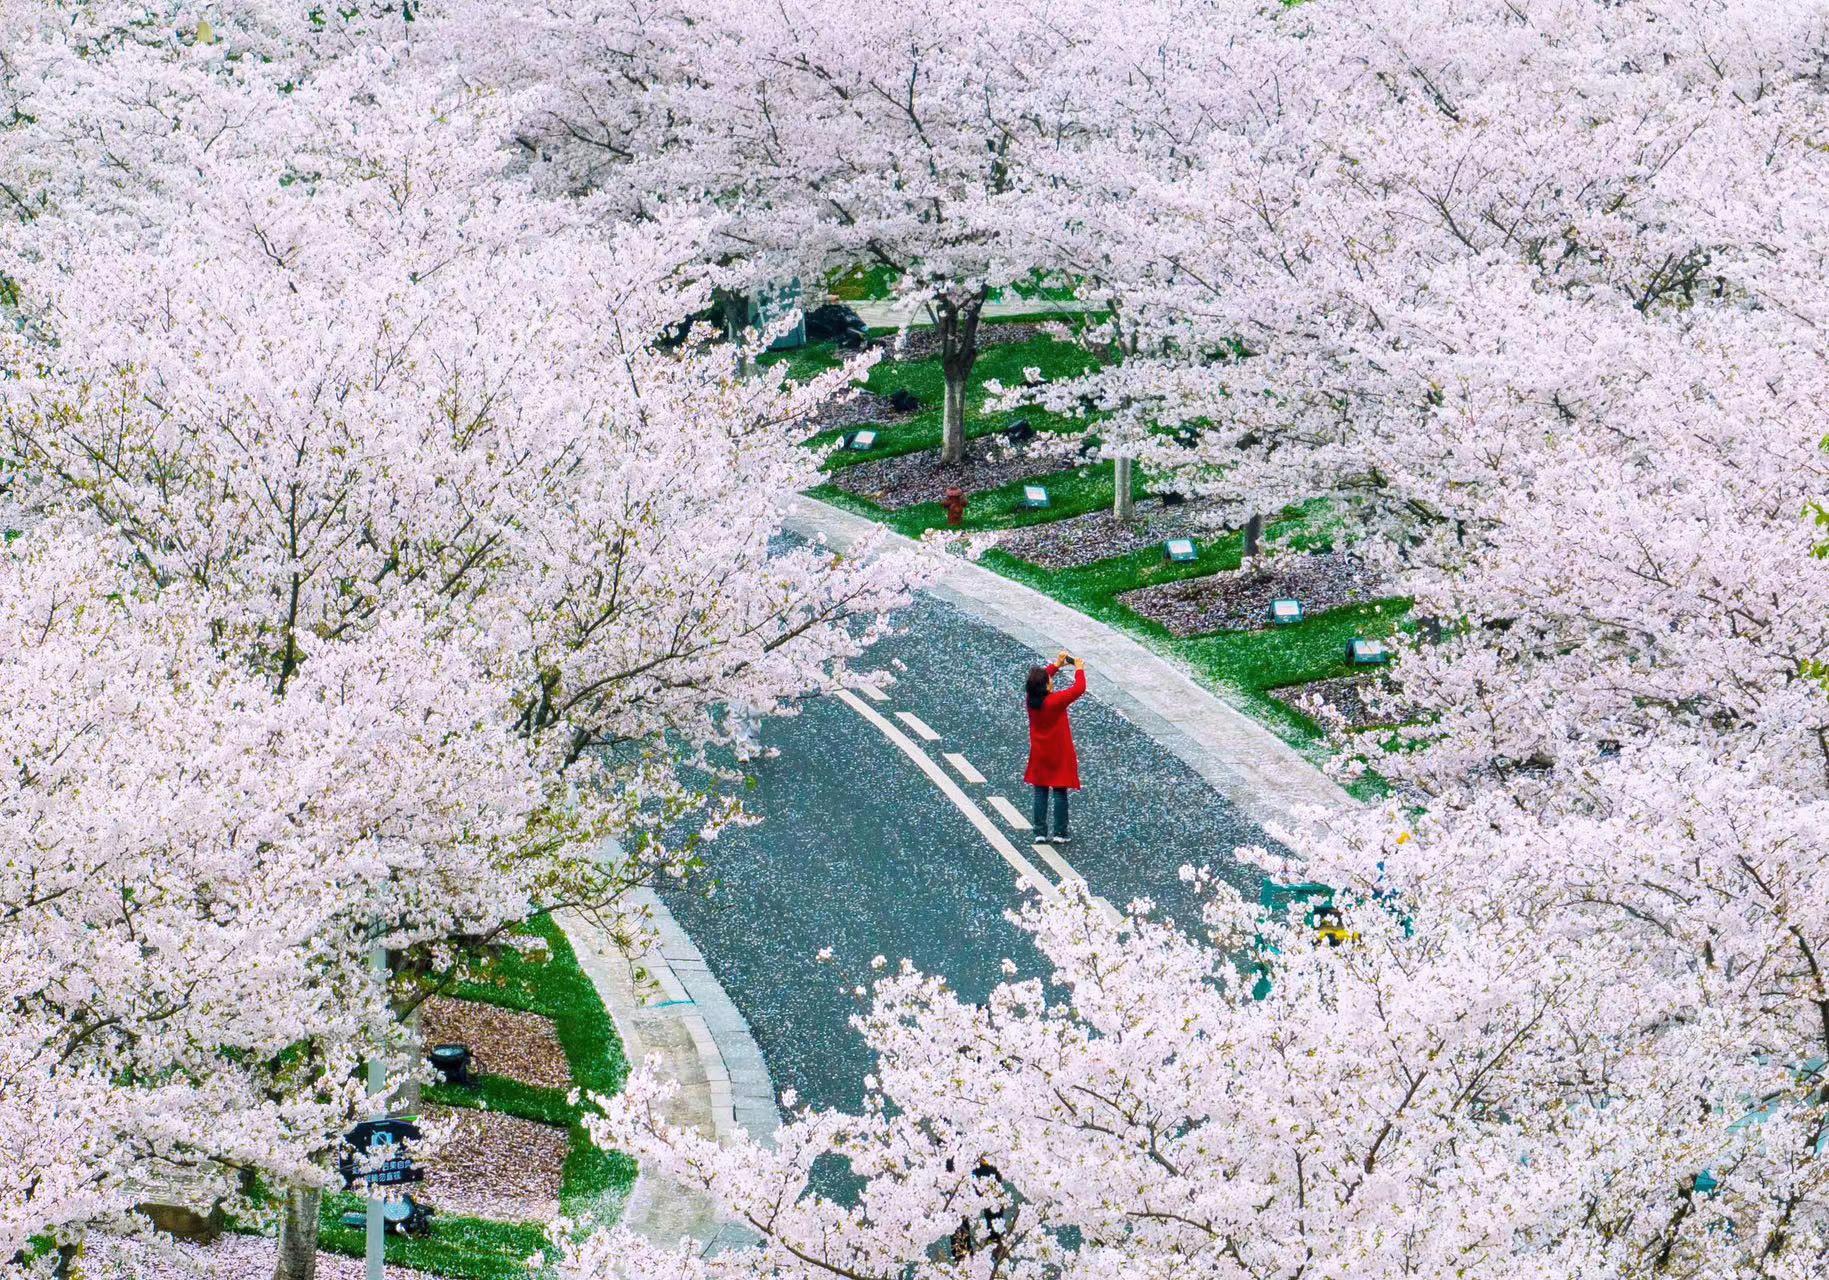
pixel 1061 839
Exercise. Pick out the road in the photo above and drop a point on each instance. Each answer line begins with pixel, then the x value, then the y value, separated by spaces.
pixel 867 850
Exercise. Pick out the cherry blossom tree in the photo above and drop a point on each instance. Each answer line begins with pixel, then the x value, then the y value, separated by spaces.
pixel 1408 1104
pixel 936 142
pixel 197 870
pixel 298 334
pixel 1300 290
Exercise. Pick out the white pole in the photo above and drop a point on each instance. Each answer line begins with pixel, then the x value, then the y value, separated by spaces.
pixel 376 1225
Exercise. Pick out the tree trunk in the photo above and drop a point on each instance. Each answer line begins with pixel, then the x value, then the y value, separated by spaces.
pixel 1254 531
pixel 736 312
pixel 1123 501
pixel 298 1235
pixel 958 353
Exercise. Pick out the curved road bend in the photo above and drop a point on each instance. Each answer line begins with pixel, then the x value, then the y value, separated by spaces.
pixel 881 835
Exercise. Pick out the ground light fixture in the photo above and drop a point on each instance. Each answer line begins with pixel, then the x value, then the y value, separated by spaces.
pixel 452 1062
pixel 862 440
pixel 1034 496
pixel 1366 653
pixel 1180 550
pixel 1285 612
pixel 1019 432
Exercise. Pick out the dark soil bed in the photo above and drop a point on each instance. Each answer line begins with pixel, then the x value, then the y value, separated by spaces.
pixel 230 1258
pixel 1239 601
pixel 924 343
pixel 1349 699
pixel 854 408
pixel 522 1046
pixel 1080 540
pixel 496 1166
pixel 914 478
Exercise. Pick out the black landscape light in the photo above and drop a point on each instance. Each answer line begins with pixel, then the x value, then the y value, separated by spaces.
pixel 453 1063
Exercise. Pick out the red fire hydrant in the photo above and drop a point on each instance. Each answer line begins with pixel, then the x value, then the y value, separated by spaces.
pixel 955 506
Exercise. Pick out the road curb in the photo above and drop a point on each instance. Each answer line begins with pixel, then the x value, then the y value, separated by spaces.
pixel 686 1029
pixel 1266 778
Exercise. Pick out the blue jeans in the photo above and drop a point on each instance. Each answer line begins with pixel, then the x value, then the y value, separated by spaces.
pixel 1041 811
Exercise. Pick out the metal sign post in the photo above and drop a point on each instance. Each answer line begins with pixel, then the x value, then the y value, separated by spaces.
pixel 376 1225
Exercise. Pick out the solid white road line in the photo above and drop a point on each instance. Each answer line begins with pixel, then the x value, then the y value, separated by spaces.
pixel 919 725
pixel 964 767
pixel 1009 813
pixel 1026 871
pixel 1062 867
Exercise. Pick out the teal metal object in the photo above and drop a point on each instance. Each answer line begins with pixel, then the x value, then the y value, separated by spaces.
pixel 1034 496
pixel 1284 613
pixel 1366 653
pixel 1180 550
pixel 1277 900
pixel 776 302
pixel 861 440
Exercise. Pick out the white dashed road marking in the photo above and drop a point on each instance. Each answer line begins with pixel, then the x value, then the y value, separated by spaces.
pixel 919 725
pixel 964 767
pixel 873 693
pixel 1026 871
pixel 1009 813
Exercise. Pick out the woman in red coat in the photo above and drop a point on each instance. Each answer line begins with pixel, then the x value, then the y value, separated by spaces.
pixel 1053 764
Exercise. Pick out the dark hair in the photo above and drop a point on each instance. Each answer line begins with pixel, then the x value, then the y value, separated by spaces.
pixel 1038 687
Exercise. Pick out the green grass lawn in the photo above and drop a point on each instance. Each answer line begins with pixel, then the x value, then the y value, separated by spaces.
pixel 594 1182
pixel 877 284
pixel 924 379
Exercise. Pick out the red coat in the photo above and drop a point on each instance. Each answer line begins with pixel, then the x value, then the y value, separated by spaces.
pixel 1052 760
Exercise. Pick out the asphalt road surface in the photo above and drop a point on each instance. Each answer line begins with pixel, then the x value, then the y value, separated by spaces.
pixel 870 851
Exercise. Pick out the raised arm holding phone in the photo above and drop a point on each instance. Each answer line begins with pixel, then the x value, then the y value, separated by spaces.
pixel 1054 767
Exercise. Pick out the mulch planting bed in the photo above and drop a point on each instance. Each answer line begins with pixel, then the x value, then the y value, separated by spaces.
pixel 1081 540
pixel 924 343
pixel 854 408
pixel 1346 697
pixel 1239 601
pixel 914 478
pixel 522 1046
pixel 230 1258
pixel 496 1166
